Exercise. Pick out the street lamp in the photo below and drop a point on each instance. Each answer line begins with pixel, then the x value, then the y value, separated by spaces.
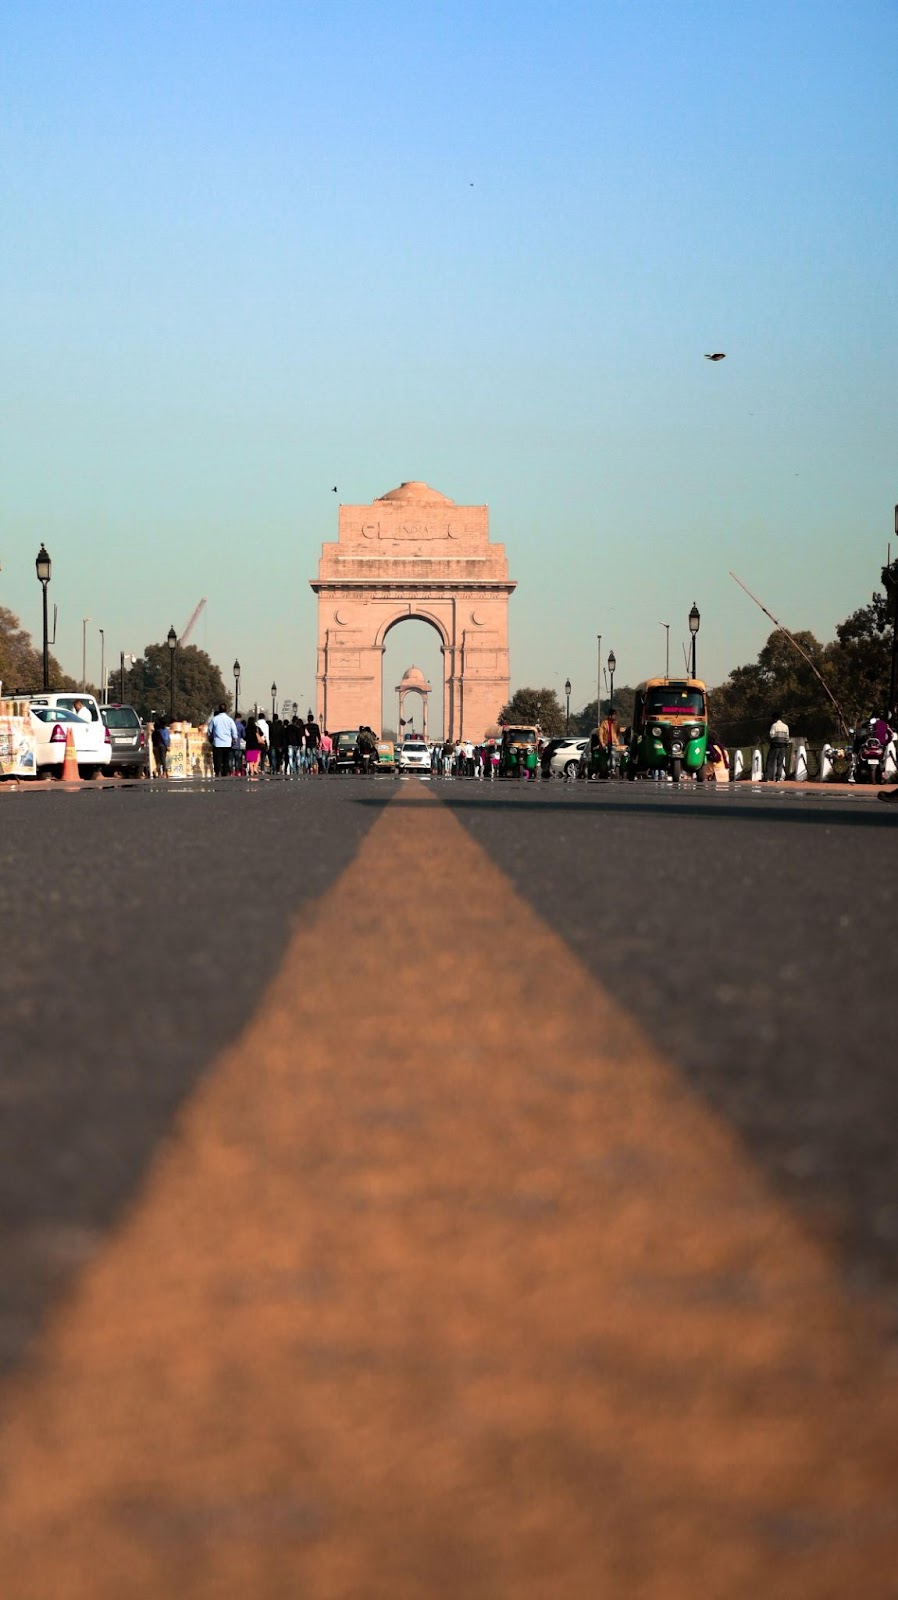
pixel 599 682
pixel 172 639
pixel 666 627
pixel 236 686
pixel 612 663
pixel 567 708
pixel 130 660
pixel 84 622
pixel 890 584
pixel 694 620
pixel 43 567
pixel 274 695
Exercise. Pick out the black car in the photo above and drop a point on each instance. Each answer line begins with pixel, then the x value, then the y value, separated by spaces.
pixel 129 747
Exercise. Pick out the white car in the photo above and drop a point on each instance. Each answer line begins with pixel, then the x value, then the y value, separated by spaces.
pixel 50 725
pixel 564 762
pixel 413 754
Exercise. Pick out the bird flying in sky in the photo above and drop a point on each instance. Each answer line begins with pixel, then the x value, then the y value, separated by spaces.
pixel 334 490
pixel 719 355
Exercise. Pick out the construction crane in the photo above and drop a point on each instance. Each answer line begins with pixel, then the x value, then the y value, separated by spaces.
pixel 192 623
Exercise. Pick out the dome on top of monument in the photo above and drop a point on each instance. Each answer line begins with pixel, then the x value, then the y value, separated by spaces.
pixel 413 678
pixel 420 492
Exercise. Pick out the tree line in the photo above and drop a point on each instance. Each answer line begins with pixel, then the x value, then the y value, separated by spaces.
pixel 191 684
pixel 821 690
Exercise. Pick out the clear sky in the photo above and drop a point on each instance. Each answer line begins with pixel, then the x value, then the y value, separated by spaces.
pixel 251 250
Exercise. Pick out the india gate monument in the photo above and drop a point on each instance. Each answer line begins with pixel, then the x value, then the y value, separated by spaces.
pixel 413 553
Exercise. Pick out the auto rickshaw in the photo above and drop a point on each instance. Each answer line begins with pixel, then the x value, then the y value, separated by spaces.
pixel 513 750
pixel 670 728
pixel 386 756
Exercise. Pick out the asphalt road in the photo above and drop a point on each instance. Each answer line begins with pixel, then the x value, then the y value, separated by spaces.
pixel 752 934
pixel 619 1050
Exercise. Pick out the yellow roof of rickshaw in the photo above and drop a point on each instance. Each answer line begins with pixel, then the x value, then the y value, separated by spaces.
pixel 669 683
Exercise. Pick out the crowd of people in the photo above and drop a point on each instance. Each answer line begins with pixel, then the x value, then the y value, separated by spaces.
pixel 255 744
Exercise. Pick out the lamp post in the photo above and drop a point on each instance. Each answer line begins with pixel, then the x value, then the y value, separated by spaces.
pixel 567 705
pixel 43 567
pixel 130 660
pixel 599 683
pixel 236 687
pixel 274 696
pixel 890 584
pixel 612 663
pixel 172 640
pixel 102 633
pixel 666 627
pixel 84 622
pixel 694 620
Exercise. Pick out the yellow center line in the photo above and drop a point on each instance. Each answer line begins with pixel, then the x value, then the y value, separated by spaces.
pixel 444 1285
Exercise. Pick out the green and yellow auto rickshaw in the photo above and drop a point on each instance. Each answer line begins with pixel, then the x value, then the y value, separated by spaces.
pixel 516 742
pixel 670 728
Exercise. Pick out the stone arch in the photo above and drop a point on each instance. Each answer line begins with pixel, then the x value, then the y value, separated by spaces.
pixel 413 682
pixel 413 554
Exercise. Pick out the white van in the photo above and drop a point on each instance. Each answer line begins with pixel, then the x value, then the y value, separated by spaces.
pixel 94 747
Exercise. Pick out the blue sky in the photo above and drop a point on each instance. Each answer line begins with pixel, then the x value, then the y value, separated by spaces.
pixel 253 250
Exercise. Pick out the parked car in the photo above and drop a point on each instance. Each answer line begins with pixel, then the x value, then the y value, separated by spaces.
pixel 130 750
pixel 414 754
pixel 92 744
pixel 563 759
pixel 51 725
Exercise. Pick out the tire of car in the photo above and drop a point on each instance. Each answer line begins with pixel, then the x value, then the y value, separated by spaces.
pixel 571 770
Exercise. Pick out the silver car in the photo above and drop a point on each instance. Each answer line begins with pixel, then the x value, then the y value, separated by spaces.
pixel 129 749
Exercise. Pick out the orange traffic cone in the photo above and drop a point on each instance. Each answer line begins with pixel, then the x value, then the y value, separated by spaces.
pixel 70 773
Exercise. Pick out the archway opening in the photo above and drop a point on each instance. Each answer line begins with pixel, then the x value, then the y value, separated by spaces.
pixel 411 642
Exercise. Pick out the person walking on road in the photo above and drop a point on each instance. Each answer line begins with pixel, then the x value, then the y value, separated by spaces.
pixel 161 742
pixel 255 746
pixel 222 732
pixel 263 733
pixel 779 744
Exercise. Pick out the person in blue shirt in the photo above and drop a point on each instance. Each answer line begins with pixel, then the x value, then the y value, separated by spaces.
pixel 223 737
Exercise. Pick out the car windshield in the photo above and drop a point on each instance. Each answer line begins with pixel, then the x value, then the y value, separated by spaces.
pixel 120 717
pixel 54 714
pixel 675 701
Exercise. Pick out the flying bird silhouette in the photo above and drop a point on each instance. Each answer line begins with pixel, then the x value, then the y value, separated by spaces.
pixel 719 355
pixel 334 490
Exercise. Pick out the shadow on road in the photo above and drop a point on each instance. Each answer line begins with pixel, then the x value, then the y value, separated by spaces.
pixel 661 808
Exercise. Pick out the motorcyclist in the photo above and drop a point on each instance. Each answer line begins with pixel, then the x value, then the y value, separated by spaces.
pixel 365 748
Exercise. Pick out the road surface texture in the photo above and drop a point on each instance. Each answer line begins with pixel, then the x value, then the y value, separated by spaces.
pixel 450 1190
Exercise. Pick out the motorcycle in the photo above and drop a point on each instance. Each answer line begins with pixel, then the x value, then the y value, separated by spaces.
pixel 868 756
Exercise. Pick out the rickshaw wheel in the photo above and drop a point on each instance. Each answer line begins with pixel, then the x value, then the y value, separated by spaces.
pixel 676 767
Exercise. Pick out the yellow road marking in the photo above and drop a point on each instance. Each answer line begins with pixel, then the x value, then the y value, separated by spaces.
pixel 445 1286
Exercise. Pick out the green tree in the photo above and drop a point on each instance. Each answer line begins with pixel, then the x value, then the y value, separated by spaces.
pixel 21 664
pixel 539 706
pixel 782 682
pixel 860 660
pixel 583 722
pixel 198 685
